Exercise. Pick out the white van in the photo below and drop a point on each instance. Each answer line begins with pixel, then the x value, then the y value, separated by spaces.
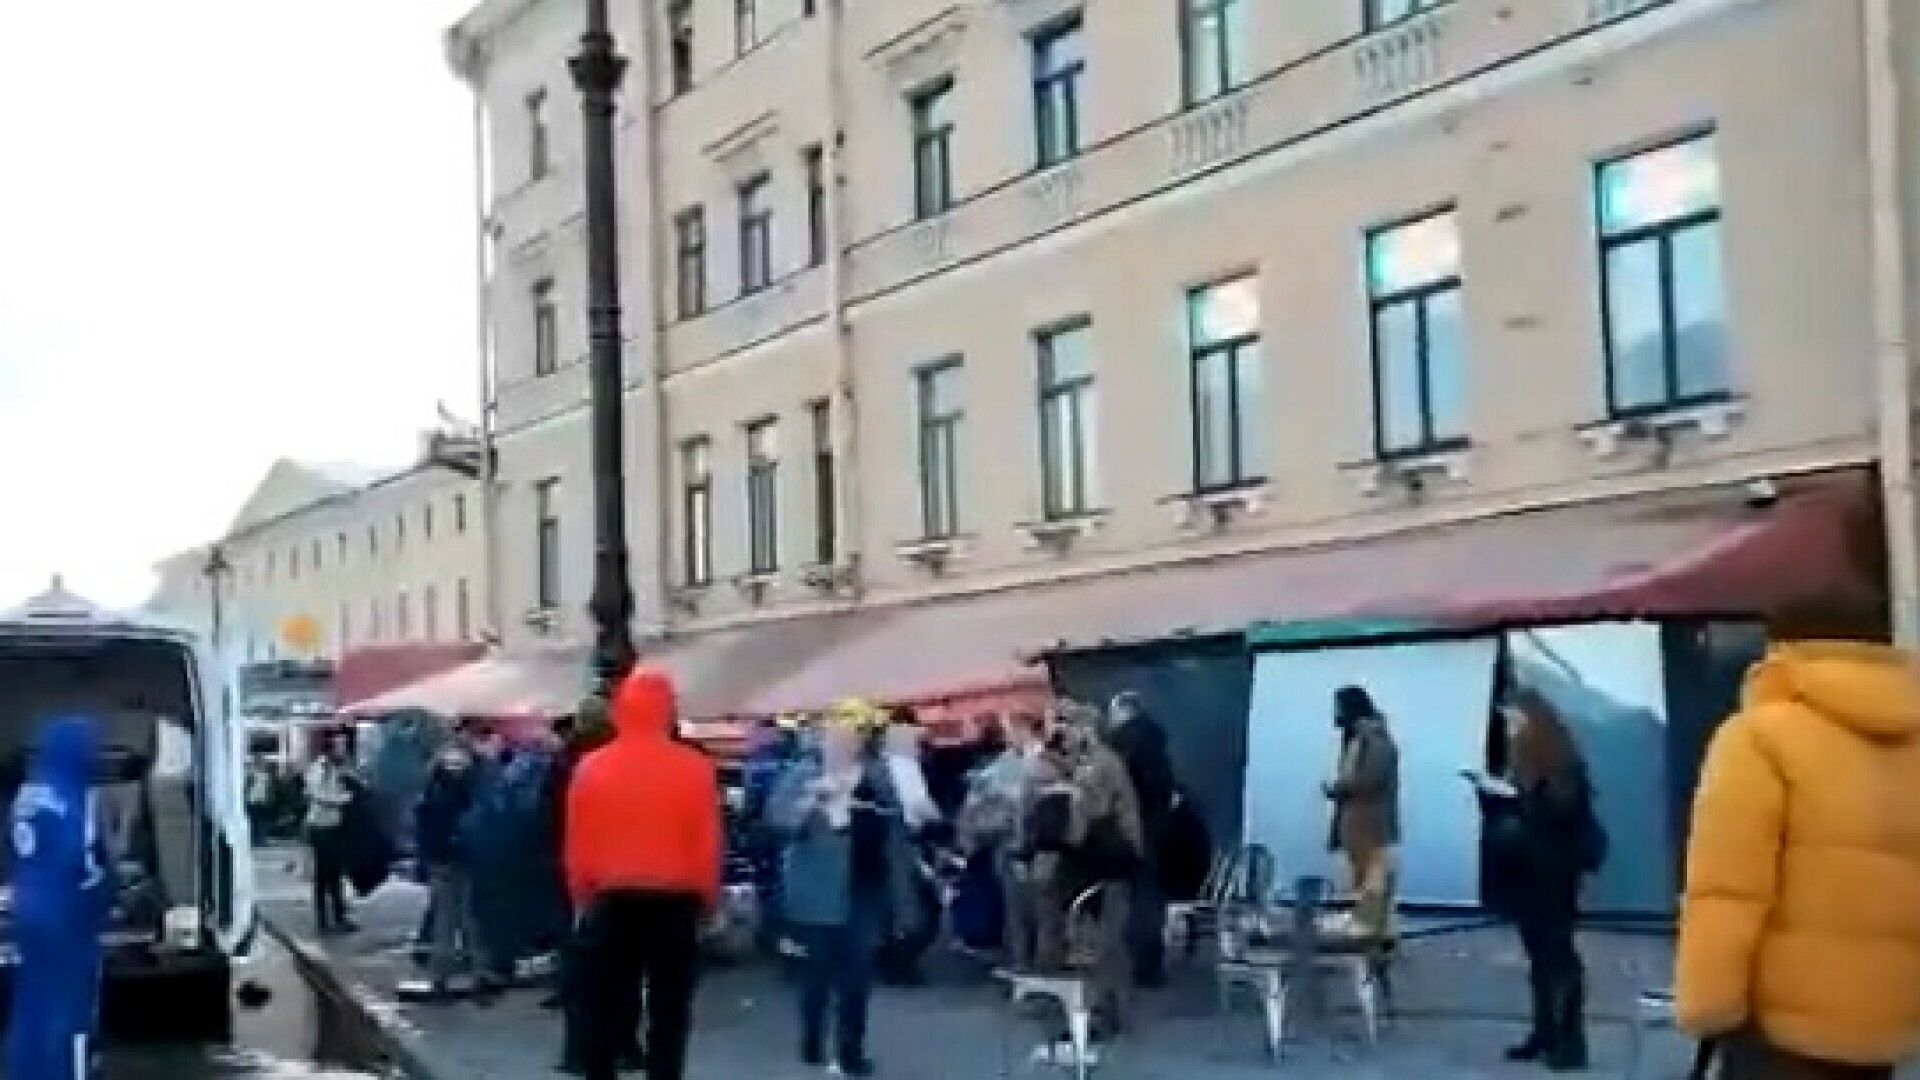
pixel 170 796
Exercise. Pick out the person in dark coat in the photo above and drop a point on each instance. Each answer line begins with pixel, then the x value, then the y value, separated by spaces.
pixel 1545 832
pixel 1141 744
pixel 441 848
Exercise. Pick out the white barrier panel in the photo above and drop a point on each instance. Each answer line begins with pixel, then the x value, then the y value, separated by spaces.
pixel 1436 697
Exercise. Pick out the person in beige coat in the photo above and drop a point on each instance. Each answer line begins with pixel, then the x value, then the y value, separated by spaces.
pixel 1365 793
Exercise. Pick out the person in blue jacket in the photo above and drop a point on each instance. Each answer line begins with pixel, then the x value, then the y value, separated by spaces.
pixel 61 895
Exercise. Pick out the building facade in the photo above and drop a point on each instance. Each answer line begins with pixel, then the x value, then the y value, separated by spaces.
pixel 929 298
pixel 323 560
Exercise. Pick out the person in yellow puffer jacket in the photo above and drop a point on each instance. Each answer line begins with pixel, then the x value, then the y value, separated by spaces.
pixel 1799 950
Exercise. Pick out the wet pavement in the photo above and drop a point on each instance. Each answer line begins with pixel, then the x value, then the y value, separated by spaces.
pixel 293 1032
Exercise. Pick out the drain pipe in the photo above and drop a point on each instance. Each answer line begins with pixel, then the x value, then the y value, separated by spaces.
pixel 1892 348
pixel 657 438
pixel 844 414
pixel 486 376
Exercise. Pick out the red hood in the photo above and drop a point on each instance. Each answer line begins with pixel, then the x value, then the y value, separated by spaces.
pixel 645 705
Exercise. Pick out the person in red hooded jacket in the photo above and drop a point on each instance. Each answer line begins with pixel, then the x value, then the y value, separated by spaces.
pixel 643 852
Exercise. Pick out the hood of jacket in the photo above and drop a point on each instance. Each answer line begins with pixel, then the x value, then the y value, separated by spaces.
pixel 1873 690
pixel 64 759
pixel 645 706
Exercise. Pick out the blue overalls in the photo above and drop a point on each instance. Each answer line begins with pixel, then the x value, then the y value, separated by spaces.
pixel 61 893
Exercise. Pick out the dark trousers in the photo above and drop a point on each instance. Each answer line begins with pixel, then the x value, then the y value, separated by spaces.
pixel 1546 920
pixel 1747 1055
pixel 637 945
pixel 576 1002
pixel 329 878
pixel 839 970
pixel 1147 928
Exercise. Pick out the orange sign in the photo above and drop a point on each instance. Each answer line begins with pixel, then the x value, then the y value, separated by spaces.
pixel 300 633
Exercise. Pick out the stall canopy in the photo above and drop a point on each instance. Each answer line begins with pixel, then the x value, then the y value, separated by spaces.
pixel 499 684
pixel 370 671
pixel 1702 551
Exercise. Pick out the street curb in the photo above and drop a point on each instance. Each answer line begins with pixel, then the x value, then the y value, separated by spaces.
pixel 403 1044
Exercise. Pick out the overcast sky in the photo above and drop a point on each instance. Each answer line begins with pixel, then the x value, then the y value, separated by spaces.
pixel 230 231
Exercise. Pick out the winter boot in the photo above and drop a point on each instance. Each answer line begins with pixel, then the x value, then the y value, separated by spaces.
pixel 1567 1048
pixel 1534 1046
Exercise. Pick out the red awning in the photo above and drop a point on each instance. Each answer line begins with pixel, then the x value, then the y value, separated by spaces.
pixel 541 683
pixel 375 669
pixel 1700 552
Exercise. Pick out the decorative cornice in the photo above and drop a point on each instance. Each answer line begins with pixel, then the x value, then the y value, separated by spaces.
pixel 1028 15
pixel 925 52
pixel 742 152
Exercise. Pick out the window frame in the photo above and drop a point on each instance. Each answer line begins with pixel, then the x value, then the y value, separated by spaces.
pixel 696 511
pixel 546 543
pixel 813 166
pixel 1191 14
pixel 753 198
pixel 1056 90
pixel 1241 473
pixel 1421 296
pixel 1662 235
pixel 546 328
pixel 746 26
pixel 690 261
pixel 826 483
pixel 933 193
pixel 763 496
pixel 462 610
pixel 539 136
pixel 680 47
pixel 1079 391
pixel 939 495
pixel 1377 17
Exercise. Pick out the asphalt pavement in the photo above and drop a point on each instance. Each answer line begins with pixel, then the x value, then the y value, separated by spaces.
pixel 292 1030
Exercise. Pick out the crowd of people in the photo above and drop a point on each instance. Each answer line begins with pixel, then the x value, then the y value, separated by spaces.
pixel 614 837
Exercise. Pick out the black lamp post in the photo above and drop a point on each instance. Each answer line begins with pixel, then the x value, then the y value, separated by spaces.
pixel 216 570
pixel 597 70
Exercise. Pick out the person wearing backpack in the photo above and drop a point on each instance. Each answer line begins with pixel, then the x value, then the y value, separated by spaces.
pixel 1549 840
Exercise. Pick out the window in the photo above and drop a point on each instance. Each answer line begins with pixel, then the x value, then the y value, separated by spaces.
pixel 462 611
pixel 1213 48
pixel 756 234
pixel 373 541
pixel 346 628
pixel 546 532
pixel 1662 282
pixel 426 522
pixel 1223 336
pixel 1384 13
pixel 932 110
pixel 374 627
pixel 763 496
pixel 402 618
pixel 690 260
pixel 826 539
pixel 318 551
pixel 746 26
pixel 1069 421
pixel 696 510
pixel 460 514
pixel 1419 336
pixel 679 47
pixel 399 531
pixel 546 329
pixel 342 544
pixel 293 564
pixel 537 148
pixel 273 559
pixel 940 416
pixel 814 163
pixel 1059 59
pixel 430 613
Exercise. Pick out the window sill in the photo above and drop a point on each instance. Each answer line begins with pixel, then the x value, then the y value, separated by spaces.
pixel 753 584
pixel 686 598
pixel 1216 508
pixel 1413 471
pixel 1710 418
pixel 541 620
pixel 1059 533
pixel 931 553
pixel 830 577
